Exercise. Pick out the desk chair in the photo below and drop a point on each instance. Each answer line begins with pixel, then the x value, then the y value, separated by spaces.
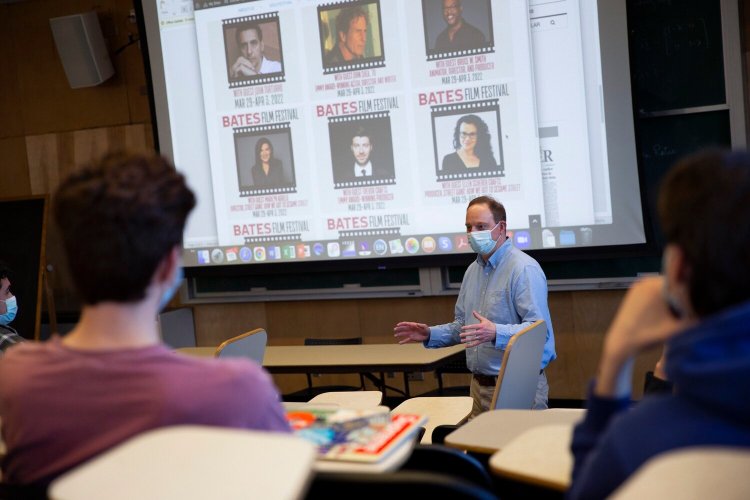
pixel 400 484
pixel 691 473
pixel 447 461
pixel 177 328
pixel 519 374
pixel 250 344
pixel 457 365
pixel 194 462
pixel 23 492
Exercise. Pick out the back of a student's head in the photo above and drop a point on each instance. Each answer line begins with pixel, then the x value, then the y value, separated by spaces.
pixel 704 208
pixel 118 218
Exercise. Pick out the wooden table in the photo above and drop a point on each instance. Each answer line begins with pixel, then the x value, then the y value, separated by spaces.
pixel 540 456
pixel 438 410
pixel 493 430
pixel 358 358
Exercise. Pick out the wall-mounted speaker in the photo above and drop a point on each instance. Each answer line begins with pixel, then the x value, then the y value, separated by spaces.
pixel 82 50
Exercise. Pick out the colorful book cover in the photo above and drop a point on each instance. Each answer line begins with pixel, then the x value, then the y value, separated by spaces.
pixel 355 435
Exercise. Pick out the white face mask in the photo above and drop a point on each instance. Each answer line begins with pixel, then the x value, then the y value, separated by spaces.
pixel 12 308
pixel 481 241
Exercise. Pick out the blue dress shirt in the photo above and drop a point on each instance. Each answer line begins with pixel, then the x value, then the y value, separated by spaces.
pixel 510 289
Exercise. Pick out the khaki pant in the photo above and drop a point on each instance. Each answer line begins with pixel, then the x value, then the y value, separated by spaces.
pixel 482 396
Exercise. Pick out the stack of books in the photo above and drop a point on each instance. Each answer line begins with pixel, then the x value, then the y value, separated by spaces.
pixel 355 435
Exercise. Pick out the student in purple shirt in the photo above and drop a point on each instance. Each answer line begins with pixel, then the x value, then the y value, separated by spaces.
pixel 67 400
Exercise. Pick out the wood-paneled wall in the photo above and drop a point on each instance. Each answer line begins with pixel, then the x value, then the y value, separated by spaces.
pixel 579 318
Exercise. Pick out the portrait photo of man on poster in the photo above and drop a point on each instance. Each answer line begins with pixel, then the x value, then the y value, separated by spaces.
pixel 457 27
pixel 362 151
pixel 253 49
pixel 350 35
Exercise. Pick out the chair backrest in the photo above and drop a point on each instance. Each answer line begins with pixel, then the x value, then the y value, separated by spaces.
pixel 691 473
pixel 177 328
pixel 193 462
pixel 251 345
pixel 519 374
pixel 23 491
pixel 447 461
pixel 456 365
pixel 400 484
pixel 333 341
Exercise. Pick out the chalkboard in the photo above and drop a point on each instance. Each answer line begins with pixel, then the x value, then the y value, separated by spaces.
pixel 24 226
pixel 664 140
pixel 676 53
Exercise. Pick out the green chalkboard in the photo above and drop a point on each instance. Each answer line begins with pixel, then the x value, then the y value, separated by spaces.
pixel 676 53
pixel 664 140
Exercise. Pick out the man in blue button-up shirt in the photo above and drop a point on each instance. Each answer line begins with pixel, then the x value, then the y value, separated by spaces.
pixel 502 292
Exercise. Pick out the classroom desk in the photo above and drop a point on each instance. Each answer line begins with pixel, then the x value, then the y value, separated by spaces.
pixel 354 400
pixel 493 430
pixel 540 456
pixel 194 462
pixel 358 358
pixel 442 410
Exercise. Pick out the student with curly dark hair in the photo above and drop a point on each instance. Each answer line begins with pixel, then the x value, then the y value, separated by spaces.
pixel 66 400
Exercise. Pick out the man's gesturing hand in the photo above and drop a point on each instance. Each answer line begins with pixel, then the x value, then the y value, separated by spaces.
pixel 407 332
pixel 479 333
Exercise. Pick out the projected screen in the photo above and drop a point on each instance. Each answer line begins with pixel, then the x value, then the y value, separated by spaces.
pixel 360 130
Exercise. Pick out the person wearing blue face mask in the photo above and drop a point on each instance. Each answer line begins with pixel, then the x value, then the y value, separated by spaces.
pixel 503 291
pixel 66 400
pixel 8 304
pixel 8 310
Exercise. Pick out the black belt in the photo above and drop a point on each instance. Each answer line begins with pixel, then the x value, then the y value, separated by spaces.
pixel 489 380
pixel 485 380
